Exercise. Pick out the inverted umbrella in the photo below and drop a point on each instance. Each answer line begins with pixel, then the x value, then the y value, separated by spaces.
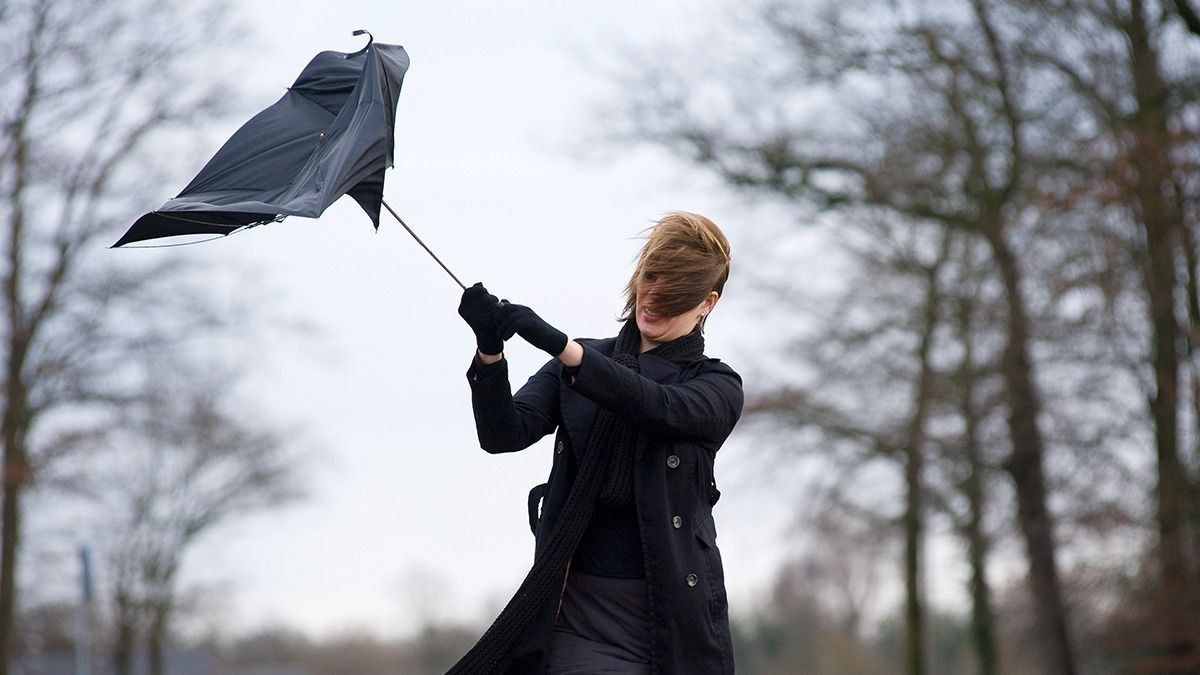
pixel 330 135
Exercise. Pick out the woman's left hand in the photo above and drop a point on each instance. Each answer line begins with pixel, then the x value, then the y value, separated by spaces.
pixel 521 320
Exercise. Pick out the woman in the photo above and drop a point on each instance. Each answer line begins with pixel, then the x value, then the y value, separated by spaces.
pixel 627 577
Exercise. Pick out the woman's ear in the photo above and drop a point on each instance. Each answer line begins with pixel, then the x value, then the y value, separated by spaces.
pixel 706 306
pixel 711 301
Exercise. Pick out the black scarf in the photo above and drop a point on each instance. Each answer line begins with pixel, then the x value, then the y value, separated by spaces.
pixel 606 473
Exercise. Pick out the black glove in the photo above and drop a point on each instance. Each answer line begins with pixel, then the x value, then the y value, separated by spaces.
pixel 480 310
pixel 521 320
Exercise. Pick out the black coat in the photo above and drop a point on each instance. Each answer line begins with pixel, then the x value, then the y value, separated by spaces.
pixel 685 413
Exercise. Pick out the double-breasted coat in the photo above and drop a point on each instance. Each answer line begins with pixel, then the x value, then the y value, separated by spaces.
pixel 683 413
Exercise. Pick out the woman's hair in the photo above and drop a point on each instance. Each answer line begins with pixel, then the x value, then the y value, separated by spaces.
pixel 686 256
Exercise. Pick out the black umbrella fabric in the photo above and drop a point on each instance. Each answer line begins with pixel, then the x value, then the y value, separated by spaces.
pixel 331 134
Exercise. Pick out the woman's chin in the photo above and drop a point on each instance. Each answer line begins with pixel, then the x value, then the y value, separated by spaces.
pixel 649 329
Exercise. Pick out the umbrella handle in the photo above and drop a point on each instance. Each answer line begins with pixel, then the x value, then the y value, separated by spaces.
pixel 427 250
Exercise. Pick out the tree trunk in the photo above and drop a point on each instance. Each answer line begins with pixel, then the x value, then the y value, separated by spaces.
pixel 1187 242
pixel 982 617
pixel 1150 157
pixel 1192 483
pixel 126 637
pixel 914 613
pixel 14 426
pixel 156 641
pixel 13 431
pixel 16 472
pixel 160 613
pixel 1025 465
pixel 14 468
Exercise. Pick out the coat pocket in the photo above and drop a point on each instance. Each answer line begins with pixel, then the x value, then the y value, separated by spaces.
pixel 714 570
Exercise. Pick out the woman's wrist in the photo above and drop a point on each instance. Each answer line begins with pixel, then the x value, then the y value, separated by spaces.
pixel 572 354
pixel 489 359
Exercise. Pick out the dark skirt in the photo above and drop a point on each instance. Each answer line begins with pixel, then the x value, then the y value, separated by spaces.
pixel 603 628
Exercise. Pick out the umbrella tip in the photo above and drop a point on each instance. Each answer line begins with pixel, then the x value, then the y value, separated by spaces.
pixel 370 40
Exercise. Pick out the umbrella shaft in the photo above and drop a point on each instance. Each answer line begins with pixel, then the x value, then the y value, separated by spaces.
pixel 427 250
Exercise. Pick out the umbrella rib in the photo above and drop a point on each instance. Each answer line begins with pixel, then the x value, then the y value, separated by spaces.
pixel 184 243
pixel 427 249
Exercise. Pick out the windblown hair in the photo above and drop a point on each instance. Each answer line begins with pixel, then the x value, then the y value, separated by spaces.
pixel 686 256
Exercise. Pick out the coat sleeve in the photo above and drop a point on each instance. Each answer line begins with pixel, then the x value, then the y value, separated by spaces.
pixel 507 423
pixel 704 408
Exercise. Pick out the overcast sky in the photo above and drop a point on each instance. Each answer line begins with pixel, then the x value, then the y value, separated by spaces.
pixel 406 515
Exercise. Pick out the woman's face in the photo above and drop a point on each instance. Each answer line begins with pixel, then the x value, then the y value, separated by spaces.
pixel 656 328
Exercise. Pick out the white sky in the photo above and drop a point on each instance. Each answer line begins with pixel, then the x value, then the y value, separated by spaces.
pixel 406 517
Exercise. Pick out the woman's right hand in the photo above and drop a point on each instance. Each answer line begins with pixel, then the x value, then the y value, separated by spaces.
pixel 479 309
pixel 521 320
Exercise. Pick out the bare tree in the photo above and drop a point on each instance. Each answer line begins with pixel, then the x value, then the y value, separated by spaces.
pixel 845 564
pixel 86 89
pixel 884 333
pixel 184 464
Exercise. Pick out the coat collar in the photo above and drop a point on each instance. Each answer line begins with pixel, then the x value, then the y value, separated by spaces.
pixel 579 412
pixel 658 369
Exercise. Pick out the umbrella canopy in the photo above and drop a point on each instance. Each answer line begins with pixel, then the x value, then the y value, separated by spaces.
pixel 331 134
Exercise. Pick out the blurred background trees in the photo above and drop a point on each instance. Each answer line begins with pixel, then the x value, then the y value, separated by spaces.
pixel 97 405
pixel 996 386
pixel 182 463
pixel 1012 186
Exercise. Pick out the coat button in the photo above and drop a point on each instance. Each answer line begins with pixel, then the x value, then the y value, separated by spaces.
pixel 677 522
pixel 673 462
pixel 692 579
pixel 558 448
